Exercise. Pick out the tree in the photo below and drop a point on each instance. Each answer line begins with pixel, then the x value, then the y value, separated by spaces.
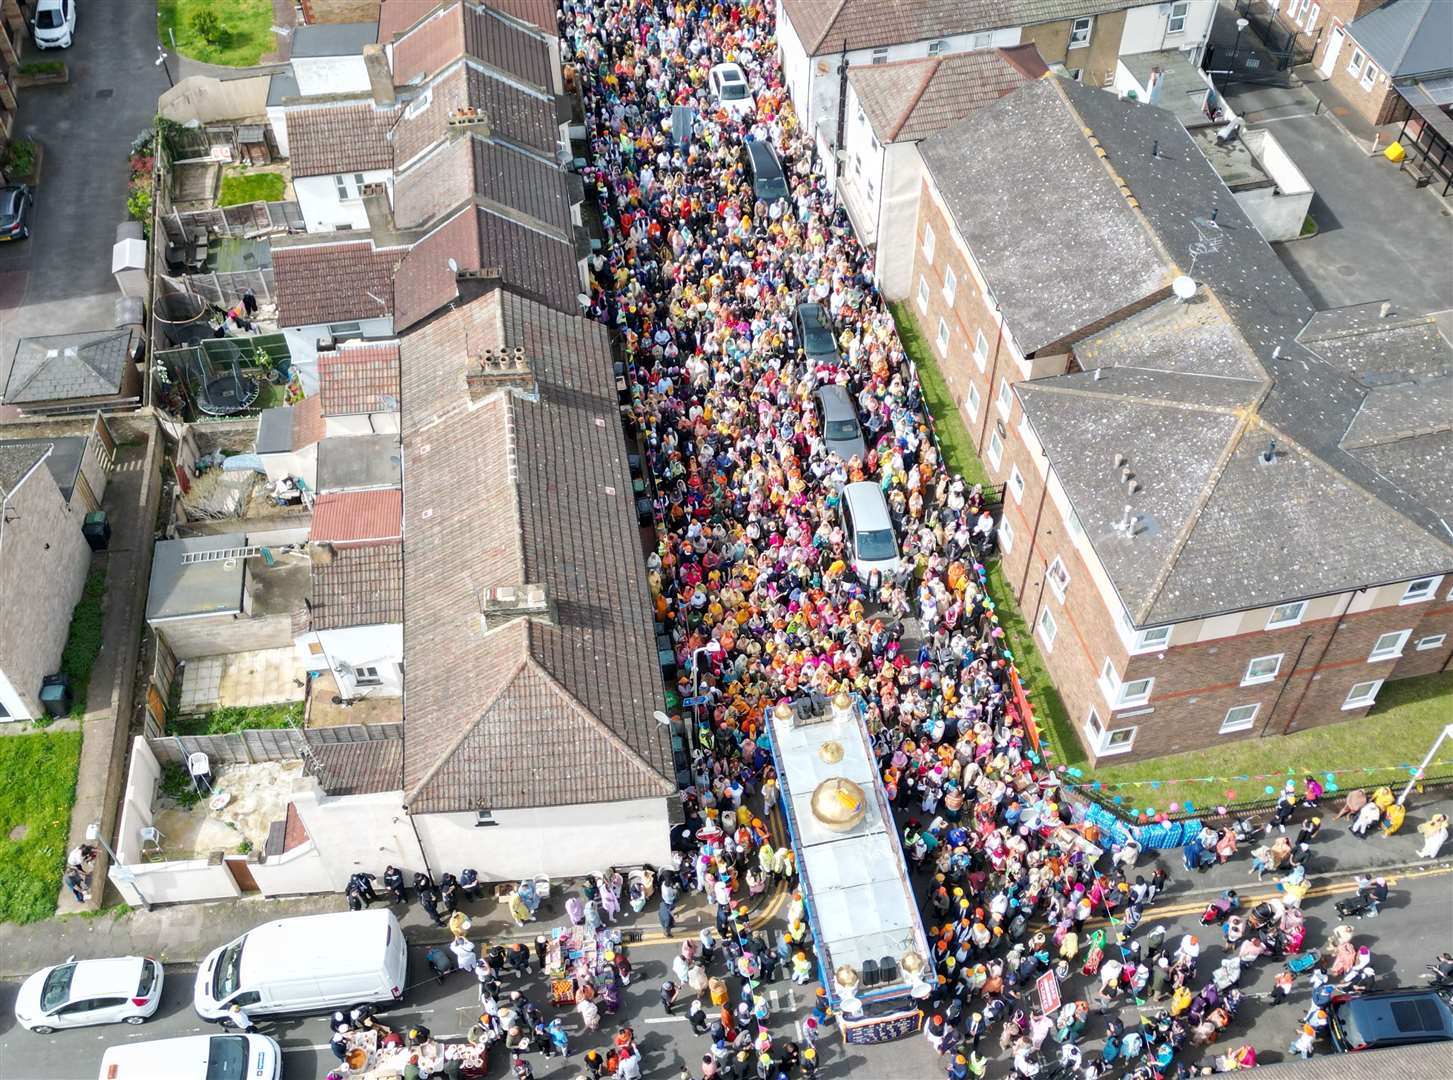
pixel 206 25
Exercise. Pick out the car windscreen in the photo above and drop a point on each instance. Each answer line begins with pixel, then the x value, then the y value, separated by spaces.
pixel 229 971
pixel 57 988
pixel 9 205
pixel 875 545
pixel 227 1057
pixel 49 19
pixel 1347 1023
pixel 772 188
pixel 842 429
pixel 816 338
pixel 733 91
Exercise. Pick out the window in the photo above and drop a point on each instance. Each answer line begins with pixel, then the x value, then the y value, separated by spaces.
pixel 1006 535
pixel 982 41
pixel 996 448
pixel 1047 629
pixel 928 242
pixel 922 293
pixel 1176 23
pixel 880 56
pixel 340 183
pixel 1389 646
pixel 937 48
pixel 1363 693
pixel 1369 76
pixel 1354 66
pixel 971 402
pixel 1286 615
pixel 1422 589
pixel 1105 742
pixel 981 348
pixel 1016 483
pixel 1262 670
pixel 366 676
pixel 1058 578
pixel 1080 32
pixel 1313 12
pixel 1239 718
pixel 1072 523
pixel 484 817
pixel 1005 400
pixel 950 284
pixel 1153 639
pixel 1432 641
pixel 1123 695
pixel 941 338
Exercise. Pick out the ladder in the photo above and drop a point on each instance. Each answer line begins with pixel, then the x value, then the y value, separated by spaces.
pixel 219 555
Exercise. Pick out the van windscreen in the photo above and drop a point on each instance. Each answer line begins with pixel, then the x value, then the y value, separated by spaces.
pixel 228 975
pixel 227 1057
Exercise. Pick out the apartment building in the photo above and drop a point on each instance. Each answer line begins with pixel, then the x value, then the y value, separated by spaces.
pixel 1223 513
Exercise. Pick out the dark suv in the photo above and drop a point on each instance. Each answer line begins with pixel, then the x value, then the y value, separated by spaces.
pixel 1393 1018
pixel 768 181
pixel 814 333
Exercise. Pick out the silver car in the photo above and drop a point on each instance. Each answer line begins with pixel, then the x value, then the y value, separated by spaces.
pixel 840 428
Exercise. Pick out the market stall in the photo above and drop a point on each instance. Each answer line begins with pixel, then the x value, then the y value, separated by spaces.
pixel 577 958
pixel 371 1057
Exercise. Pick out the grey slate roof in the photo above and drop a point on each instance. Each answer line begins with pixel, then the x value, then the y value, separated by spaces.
pixel 511 492
pixel 1192 394
pixel 16 461
pixel 1408 38
pixel 64 366
pixel 63 462
pixel 358 768
pixel 333 39
pixel 476 165
pixel 519 113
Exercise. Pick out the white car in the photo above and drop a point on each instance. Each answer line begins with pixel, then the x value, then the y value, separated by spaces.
pixel 78 993
pixel 729 87
pixel 54 24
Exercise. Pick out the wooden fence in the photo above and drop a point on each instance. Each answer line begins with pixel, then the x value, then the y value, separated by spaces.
pixel 265 744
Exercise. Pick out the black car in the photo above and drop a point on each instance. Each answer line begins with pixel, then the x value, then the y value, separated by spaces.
pixel 15 202
pixel 1393 1018
pixel 814 333
pixel 768 181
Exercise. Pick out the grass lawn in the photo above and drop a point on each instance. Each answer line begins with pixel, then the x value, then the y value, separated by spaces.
pixel 235 718
pixel 1395 734
pixel 958 447
pixel 35 820
pixel 238 188
pixel 84 642
pixel 244 30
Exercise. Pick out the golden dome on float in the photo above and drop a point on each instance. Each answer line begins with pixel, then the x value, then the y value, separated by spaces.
pixel 842 700
pixel 839 804
pixel 831 751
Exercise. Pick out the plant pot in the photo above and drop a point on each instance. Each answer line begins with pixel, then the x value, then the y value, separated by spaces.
pixel 53 78
pixel 33 176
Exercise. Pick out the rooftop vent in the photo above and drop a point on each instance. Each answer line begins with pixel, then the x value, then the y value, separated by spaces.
pixel 500 369
pixel 506 603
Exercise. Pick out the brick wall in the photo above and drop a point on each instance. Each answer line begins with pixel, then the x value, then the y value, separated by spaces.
pixel 1381 104
pixel 1330 13
pixel 1096 60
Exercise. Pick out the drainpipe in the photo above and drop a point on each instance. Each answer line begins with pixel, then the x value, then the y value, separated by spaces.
pixel 1033 541
pixel 993 371
pixel 1287 682
pixel 1336 625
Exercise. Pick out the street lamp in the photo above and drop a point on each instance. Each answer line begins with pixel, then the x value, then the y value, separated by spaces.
pixel 161 63
pixel 1241 25
pixel 714 648
pixel 124 876
pixel 1446 733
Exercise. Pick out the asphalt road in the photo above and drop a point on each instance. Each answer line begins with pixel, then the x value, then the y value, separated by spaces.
pixel 1415 924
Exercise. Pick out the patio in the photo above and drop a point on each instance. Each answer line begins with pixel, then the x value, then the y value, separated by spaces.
pixel 261 677
pixel 257 796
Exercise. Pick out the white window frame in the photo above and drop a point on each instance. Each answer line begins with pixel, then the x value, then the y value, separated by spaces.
pixel 1250 679
pixel 1072 522
pixel 1006 534
pixel 1118 693
pixel 880 56
pixel 1366 698
pixel 1381 653
pixel 1100 736
pixel 995 451
pixel 1080 31
pixel 937 47
pixel 929 242
pixel 941 336
pixel 922 293
pixel 950 285
pixel 1243 719
pixel 1290 617
pixel 1004 400
pixel 1015 484
pixel 1314 13
pixel 981 349
pixel 982 41
pixel 1175 22
pixel 1046 628
pixel 1355 62
pixel 1058 578
pixel 1432 641
pixel 1152 640
pixel 972 400
pixel 1420 590
pixel 1369 76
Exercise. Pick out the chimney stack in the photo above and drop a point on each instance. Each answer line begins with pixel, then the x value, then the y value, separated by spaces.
pixel 380 78
pixel 506 603
pixel 503 369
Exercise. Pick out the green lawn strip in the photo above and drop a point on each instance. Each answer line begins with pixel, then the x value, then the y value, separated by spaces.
pixel 243 30
pixel 232 718
pixel 238 188
pixel 84 641
pixel 1396 734
pixel 42 772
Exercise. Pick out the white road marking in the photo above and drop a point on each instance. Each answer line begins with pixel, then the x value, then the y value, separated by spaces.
pixel 664 1020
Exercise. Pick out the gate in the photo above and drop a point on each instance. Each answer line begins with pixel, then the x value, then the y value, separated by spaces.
pixel 1286 47
pixel 159 692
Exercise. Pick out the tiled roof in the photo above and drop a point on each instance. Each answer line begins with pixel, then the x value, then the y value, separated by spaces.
pixel 492 170
pixel 466 29
pixel 64 366
pixel 396 16
pixel 358 768
pixel 519 114
pixel 529 257
pixel 354 379
pixel 357 517
pixel 16 461
pixel 911 99
pixel 360 586
pixel 331 281
pixel 824 25
pixel 513 492
pixel 1408 38
pixel 308 422
pixel 346 137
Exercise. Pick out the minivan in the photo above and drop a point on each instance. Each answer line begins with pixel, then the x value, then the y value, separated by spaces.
pixel 1392 1018
pixel 840 429
pixel 195 1057
pixel 312 964
pixel 870 532
pixel 768 181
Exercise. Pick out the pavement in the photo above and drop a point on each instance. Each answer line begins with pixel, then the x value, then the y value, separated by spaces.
pixel 60 279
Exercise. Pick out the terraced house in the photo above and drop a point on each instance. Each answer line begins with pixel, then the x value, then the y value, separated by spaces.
pixel 1226 513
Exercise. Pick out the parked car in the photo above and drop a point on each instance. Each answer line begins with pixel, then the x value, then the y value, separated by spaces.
pixel 1391 1018
pixel 15 203
pixel 769 183
pixel 312 964
pixel 814 333
pixel 870 533
pixel 195 1057
pixel 79 993
pixel 840 428
pixel 729 87
pixel 53 26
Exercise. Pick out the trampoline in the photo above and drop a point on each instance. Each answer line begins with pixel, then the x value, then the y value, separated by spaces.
pixel 183 319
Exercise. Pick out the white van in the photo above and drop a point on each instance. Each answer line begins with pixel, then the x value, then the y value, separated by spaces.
pixel 195 1057
pixel 313 964
pixel 870 532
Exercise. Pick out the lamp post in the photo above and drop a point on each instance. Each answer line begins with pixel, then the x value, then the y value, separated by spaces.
pixel 124 876
pixel 1241 25
pixel 714 648
pixel 161 63
pixel 1446 733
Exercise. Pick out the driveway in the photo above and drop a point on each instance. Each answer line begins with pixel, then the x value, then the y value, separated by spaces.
pixel 1380 238
pixel 60 279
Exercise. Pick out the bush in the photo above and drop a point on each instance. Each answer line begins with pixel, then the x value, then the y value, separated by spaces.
pixel 142 165
pixel 84 642
pixel 138 205
pixel 142 144
pixel 207 26
pixel 43 67
pixel 20 158
pixel 176 785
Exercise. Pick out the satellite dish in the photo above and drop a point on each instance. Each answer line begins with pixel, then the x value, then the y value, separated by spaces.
pixel 1184 287
pixel 662 718
pixel 453 265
